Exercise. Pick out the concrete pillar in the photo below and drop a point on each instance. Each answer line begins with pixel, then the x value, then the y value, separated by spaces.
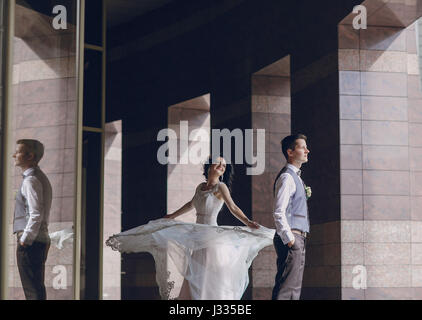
pixel 315 113
pixel 270 111
pixel 231 109
pixel 356 95
pixel 144 195
pixel 380 128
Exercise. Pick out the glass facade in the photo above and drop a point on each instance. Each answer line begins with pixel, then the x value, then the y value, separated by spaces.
pixel 3 53
pixel 53 89
pixel 56 68
pixel 44 107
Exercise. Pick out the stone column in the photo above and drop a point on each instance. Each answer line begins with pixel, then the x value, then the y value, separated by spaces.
pixel 144 194
pixel 183 178
pixel 231 109
pixel 356 94
pixel 112 208
pixel 270 111
pixel 44 108
pixel 355 106
pixel 381 184
pixel 315 113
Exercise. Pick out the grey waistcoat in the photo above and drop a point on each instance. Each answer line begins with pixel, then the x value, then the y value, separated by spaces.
pixel 297 210
pixel 21 212
pixel 21 215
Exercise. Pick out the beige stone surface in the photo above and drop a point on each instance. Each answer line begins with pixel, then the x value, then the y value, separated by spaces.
pixel 348 59
pixel 387 231
pixel 375 182
pixel 385 133
pixel 416 231
pixel 387 253
pixel 389 275
pixel 384 108
pixel 415 134
pixel 412 64
pixel 383 61
pixel 350 156
pixel 416 184
pixel 350 132
pixel 416 276
pixel 383 207
pixel 46 69
pixel 352 253
pixel 351 182
pixel 351 207
pixel 352 231
pixel 416 249
pixel 385 157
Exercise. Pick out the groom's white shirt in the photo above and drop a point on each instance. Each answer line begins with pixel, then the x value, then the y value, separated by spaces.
pixel 39 204
pixel 285 187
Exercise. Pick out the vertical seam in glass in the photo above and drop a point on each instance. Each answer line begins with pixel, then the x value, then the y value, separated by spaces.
pixel 6 144
pixel 103 107
pixel 80 30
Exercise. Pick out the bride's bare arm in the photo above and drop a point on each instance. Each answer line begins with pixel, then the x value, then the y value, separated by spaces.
pixel 234 209
pixel 188 206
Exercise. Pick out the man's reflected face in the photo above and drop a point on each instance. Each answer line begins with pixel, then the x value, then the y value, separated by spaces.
pixel 21 156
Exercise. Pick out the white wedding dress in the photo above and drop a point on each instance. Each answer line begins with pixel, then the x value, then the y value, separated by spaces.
pixel 213 259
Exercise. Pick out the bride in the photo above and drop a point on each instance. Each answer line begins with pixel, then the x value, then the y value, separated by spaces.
pixel 214 260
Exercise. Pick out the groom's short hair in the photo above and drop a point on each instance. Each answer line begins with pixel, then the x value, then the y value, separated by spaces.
pixel 289 142
pixel 33 146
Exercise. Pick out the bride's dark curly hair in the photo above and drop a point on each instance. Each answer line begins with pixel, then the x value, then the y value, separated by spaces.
pixel 227 177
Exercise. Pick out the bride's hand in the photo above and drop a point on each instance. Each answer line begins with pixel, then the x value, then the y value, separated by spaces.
pixel 252 224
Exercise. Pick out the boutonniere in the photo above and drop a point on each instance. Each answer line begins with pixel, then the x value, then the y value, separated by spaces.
pixel 308 192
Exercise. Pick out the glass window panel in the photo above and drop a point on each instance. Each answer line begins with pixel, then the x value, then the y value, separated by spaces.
pixel 92 88
pixel 93 22
pixel 91 218
pixel 112 208
pixel 44 108
pixel 3 252
pixel 2 8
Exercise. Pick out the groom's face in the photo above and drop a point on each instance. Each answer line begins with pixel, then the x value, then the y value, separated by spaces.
pixel 300 153
pixel 22 157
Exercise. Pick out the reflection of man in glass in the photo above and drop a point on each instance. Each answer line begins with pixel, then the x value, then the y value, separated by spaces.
pixel 30 223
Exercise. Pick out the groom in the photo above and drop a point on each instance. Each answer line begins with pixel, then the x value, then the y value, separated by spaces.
pixel 291 219
pixel 30 223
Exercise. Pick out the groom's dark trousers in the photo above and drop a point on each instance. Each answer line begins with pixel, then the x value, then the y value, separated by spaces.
pixel 31 265
pixel 290 266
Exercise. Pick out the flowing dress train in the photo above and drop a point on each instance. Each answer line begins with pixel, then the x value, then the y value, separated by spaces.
pixel 213 259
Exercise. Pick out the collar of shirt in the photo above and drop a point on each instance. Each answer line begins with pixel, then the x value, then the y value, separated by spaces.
pixel 295 169
pixel 28 171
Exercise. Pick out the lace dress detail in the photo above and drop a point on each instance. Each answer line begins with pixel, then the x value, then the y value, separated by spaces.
pixel 213 259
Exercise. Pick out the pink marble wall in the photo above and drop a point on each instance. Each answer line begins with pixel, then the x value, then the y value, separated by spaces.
pixel 44 108
pixel 112 208
pixel 182 179
pixel 270 111
pixel 380 129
